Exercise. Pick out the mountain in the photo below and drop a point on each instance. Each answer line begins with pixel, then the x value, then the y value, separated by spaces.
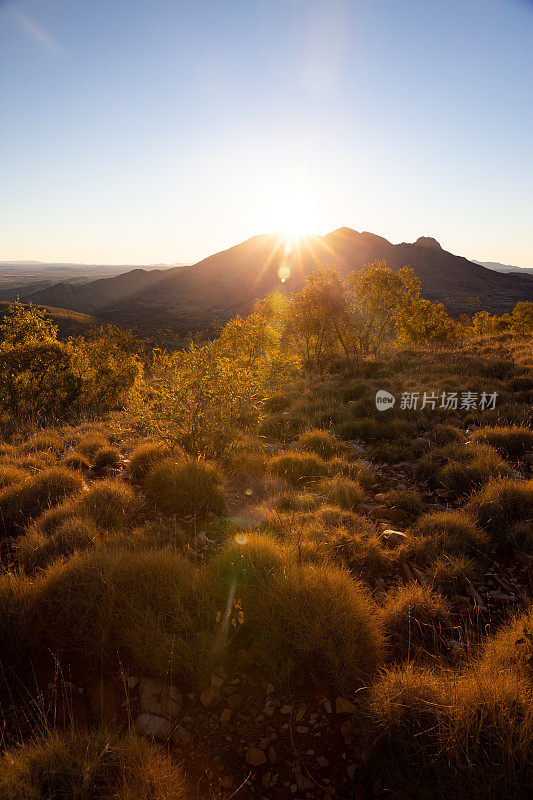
pixel 227 283
pixel 495 265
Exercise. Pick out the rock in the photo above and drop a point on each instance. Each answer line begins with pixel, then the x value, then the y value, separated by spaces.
pixel 209 698
pixel 393 538
pixel 327 707
pixel 255 757
pixel 269 689
pixel 227 782
pixel 322 761
pixel 132 682
pixel 343 706
pixel 235 701
pixel 153 726
pixel 303 783
pixel 164 700
pixel 346 731
pixel 216 682
pixel 265 780
pixel 181 736
pixel 285 709
pixel 272 755
pixel 225 716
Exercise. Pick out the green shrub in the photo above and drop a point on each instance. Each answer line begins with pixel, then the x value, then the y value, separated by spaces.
pixel 510 442
pixel 321 442
pixel 111 504
pixel 298 469
pixel 413 618
pixel 500 505
pixel 89 765
pixel 185 489
pixel 145 457
pixel 451 532
pixel 37 550
pixel 314 625
pixel 22 502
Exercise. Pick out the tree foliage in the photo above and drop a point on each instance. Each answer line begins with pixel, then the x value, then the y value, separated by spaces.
pixel 41 376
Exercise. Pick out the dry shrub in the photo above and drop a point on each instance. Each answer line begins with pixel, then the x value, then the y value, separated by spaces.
pixel 460 468
pixel 142 607
pixel 14 652
pixel 45 442
pixel 106 457
pixel 111 504
pixel 98 764
pixel 37 550
pixel 77 462
pixel 321 442
pixel 145 457
pixel 413 618
pixel 405 500
pixel 298 469
pixel 355 470
pixel 247 560
pixel 512 442
pixel 10 475
pixel 451 574
pixel 185 489
pixel 22 502
pixel 451 532
pixel 500 506
pixel 89 445
pixel 341 491
pixel 315 625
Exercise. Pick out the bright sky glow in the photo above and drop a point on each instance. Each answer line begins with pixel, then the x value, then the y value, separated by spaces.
pixel 149 131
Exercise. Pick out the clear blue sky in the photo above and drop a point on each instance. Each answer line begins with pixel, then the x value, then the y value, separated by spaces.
pixel 145 131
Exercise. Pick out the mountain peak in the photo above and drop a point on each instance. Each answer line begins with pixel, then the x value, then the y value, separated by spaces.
pixel 428 241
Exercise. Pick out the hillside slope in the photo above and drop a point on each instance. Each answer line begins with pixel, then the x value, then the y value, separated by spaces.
pixel 69 323
pixel 229 282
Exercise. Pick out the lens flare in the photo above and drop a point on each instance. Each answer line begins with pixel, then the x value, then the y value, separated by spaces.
pixel 284 272
pixel 241 539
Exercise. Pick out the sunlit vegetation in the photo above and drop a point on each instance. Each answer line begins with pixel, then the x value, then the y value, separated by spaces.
pixel 237 513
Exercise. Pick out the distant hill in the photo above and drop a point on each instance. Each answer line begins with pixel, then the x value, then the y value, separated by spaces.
pixel 69 323
pixel 24 278
pixel 495 265
pixel 228 282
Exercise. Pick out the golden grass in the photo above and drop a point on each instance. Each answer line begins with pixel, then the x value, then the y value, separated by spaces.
pixel 98 764
pixel 185 488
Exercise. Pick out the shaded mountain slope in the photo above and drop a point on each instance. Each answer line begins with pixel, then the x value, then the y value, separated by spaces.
pixel 229 282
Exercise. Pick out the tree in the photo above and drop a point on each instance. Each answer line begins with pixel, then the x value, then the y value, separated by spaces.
pixel 41 376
